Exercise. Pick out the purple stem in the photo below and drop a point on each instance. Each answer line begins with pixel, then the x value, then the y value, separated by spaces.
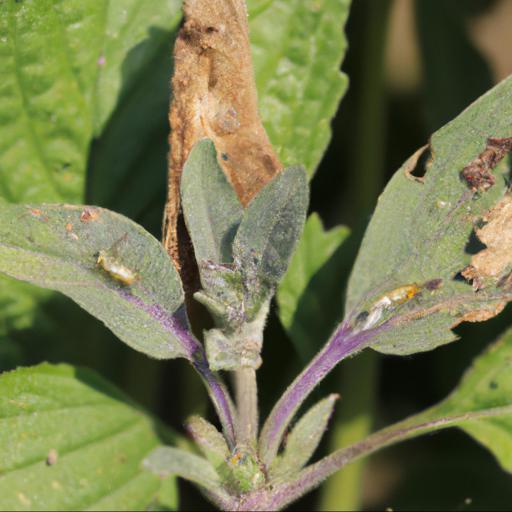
pixel 176 323
pixel 342 344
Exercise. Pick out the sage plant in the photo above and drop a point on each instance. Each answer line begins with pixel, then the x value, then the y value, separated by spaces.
pixel 413 281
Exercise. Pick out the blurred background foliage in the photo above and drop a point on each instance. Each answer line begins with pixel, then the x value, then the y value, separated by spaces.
pixel 412 65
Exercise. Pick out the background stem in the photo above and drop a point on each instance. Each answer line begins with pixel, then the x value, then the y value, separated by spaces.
pixel 358 378
pixel 246 393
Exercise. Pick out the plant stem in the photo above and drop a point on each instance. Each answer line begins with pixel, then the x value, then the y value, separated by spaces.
pixel 342 344
pixel 246 392
pixel 219 397
pixel 216 389
pixel 313 475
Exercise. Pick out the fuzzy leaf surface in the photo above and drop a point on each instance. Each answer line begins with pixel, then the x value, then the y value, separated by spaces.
pixel 70 441
pixel 271 226
pixel 309 296
pixel 57 247
pixel 304 438
pixel 298 48
pixel 423 231
pixel 210 205
pixel 166 460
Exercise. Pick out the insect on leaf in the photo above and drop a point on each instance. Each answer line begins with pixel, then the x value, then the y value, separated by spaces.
pixel 106 263
pixel 420 269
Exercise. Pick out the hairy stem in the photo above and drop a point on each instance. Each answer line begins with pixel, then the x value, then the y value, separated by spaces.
pixel 314 475
pixel 246 390
pixel 342 344
pixel 219 396
pixel 216 389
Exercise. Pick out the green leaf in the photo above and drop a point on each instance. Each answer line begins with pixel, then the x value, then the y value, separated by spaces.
pixel 422 236
pixel 271 226
pixel 308 295
pixel 52 103
pixel 165 461
pixel 79 251
pixel 210 205
pixel 297 51
pixel 481 405
pixel 70 441
pixel 304 438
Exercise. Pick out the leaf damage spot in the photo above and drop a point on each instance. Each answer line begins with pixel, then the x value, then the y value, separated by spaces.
pixel 52 457
pixel 89 215
pixel 26 502
pixel 477 174
pixel 416 165
pixel 496 258
pixel 481 315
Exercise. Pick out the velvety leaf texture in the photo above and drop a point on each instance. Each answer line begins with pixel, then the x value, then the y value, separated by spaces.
pixel 272 224
pixel 305 304
pixel 304 439
pixel 70 441
pixel 297 50
pixel 210 205
pixel 106 263
pixel 411 279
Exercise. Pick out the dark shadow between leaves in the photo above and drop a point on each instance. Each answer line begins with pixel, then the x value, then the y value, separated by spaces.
pixel 127 167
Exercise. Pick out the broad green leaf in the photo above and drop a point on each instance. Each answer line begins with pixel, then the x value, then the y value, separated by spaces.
pixel 304 438
pixel 165 461
pixel 309 296
pixel 210 205
pixel 422 236
pixel 53 102
pixel 70 441
pixel 106 263
pixel 455 73
pixel 297 50
pixel 271 226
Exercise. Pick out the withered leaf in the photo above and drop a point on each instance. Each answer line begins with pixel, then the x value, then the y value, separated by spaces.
pixel 496 234
pixel 214 96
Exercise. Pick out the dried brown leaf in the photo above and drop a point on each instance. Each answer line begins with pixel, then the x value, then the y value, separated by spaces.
pixel 215 96
pixel 496 234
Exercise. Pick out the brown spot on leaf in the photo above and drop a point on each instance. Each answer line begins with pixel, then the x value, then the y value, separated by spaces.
pixel 477 174
pixel 89 214
pixel 496 234
pixel 481 315
pixel 214 96
pixel 69 227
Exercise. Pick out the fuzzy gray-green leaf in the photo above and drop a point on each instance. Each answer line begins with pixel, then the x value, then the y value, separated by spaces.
pixel 165 461
pixel 58 247
pixel 422 236
pixel 209 440
pixel 210 205
pixel 304 438
pixel 271 226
